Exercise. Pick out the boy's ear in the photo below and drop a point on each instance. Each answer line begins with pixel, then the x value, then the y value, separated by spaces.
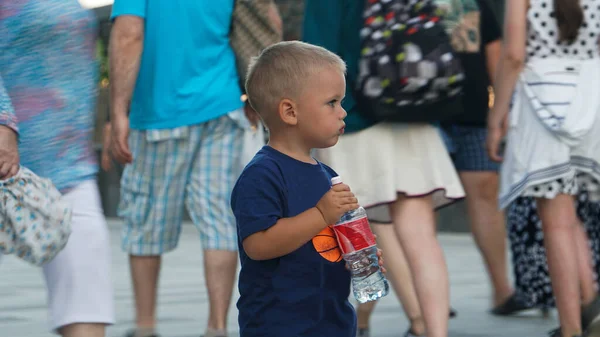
pixel 288 111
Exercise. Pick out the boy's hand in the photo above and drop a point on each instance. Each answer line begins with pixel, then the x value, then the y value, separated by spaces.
pixel 380 261
pixel 336 202
pixel 380 258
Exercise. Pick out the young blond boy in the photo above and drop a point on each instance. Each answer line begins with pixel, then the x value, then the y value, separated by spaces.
pixel 284 199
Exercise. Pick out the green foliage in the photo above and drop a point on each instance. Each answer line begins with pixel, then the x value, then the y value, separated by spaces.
pixel 102 55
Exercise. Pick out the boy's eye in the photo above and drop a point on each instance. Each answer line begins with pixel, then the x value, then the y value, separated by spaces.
pixel 332 103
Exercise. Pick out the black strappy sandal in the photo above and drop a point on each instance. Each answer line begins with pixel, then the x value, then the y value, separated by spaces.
pixel 514 305
pixel 410 333
pixel 589 314
pixel 557 333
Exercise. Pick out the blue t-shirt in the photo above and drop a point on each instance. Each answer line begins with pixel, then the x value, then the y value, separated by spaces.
pixel 187 73
pixel 299 294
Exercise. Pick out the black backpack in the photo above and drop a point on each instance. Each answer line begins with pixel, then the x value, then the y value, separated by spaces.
pixel 408 71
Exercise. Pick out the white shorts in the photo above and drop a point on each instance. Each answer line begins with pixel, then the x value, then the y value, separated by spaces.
pixel 78 279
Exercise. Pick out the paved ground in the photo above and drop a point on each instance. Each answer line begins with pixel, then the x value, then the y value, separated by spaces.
pixel 182 308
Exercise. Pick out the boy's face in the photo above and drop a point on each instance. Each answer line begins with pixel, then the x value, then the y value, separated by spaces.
pixel 320 116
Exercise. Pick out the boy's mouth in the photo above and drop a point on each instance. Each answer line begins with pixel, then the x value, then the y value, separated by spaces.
pixel 342 130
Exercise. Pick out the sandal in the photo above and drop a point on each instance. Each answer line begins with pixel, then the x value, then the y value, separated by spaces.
pixel 557 333
pixel 590 313
pixel 410 333
pixel 514 305
pixel 363 332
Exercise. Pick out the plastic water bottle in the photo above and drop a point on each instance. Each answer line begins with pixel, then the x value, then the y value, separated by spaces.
pixel 359 250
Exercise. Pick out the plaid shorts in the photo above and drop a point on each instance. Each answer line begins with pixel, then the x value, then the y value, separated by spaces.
pixel 192 165
pixel 466 145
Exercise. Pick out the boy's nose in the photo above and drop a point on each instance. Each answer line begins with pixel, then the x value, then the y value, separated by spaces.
pixel 344 114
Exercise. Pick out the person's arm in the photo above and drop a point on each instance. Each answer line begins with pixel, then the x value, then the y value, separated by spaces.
pixel 512 57
pixel 492 52
pixel 275 17
pixel 125 53
pixel 287 235
pixel 258 203
pixel 126 44
pixel 511 62
pixel 8 119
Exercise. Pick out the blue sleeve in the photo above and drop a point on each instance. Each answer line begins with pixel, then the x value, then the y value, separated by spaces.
pixel 129 7
pixel 257 200
pixel 7 112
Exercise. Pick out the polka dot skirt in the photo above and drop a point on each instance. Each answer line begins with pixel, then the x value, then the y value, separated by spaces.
pixel 573 186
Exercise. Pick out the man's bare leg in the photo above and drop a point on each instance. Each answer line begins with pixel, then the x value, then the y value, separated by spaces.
pixel 220 270
pixel 144 273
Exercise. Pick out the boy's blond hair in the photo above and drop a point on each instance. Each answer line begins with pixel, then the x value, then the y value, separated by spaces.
pixel 281 70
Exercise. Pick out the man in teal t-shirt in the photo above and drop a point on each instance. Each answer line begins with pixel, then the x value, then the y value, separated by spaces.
pixel 173 69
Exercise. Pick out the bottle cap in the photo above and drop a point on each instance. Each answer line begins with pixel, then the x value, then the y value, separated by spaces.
pixel 336 180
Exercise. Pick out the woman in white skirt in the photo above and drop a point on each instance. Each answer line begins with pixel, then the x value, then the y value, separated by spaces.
pixel 400 173
pixel 551 62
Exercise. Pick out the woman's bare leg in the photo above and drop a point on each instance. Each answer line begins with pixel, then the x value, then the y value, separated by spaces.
pixel 363 314
pixel 399 275
pixel 587 284
pixel 414 221
pixel 559 223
